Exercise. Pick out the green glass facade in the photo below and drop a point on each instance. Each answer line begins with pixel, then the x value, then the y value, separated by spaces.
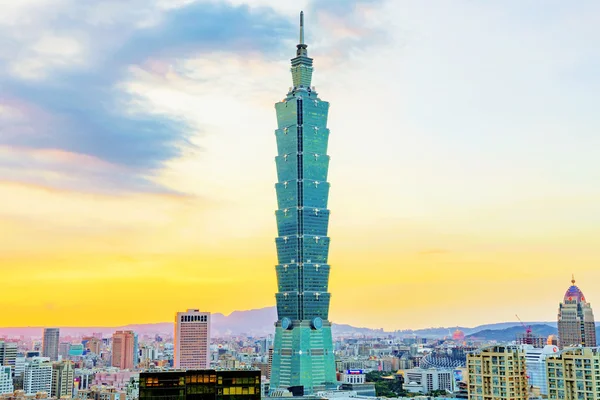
pixel 303 347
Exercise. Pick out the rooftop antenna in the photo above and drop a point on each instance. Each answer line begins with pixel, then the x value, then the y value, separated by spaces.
pixel 573 279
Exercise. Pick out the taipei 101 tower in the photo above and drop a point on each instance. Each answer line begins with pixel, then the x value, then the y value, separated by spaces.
pixel 303 348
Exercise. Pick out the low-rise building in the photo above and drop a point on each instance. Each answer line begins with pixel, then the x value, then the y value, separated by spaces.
pixel 426 380
pixel 211 384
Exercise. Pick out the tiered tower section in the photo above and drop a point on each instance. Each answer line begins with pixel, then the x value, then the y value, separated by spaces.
pixel 303 347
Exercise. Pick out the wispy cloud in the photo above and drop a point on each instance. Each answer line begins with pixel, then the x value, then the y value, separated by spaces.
pixel 64 91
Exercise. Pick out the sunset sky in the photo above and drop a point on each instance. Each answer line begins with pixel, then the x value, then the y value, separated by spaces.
pixel 137 157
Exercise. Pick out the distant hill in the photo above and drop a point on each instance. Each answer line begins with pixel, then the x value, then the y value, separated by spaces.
pixel 261 322
pixel 441 332
pixel 509 334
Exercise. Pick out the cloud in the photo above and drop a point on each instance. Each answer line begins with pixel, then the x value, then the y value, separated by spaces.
pixel 57 168
pixel 73 77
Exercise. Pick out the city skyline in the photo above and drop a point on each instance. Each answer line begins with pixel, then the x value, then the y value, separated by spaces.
pixel 466 168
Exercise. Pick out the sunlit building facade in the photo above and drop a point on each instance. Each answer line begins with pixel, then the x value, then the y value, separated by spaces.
pixel 303 348
pixel 62 379
pixel 192 339
pixel 123 348
pixel 574 374
pixel 497 372
pixel 576 325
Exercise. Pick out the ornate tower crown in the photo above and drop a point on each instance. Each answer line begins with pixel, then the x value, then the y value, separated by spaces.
pixel 302 64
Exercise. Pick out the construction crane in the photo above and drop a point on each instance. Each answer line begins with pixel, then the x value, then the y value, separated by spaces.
pixel 527 328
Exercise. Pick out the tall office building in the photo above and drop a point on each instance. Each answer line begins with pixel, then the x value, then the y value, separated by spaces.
pixel 62 379
pixel 497 372
pixel 50 343
pixel 574 374
pixel 303 347
pixel 37 376
pixel 576 320
pixel 123 346
pixel 192 340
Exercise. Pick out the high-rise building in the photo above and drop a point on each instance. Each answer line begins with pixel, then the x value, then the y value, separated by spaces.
pixel 497 372
pixel 192 340
pixel 50 343
pixel 535 361
pixel 63 350
pixel 136 350
pixel 37 376
pixel 303 347
pixel 123 345
pixel 18 372
pixel 576 325
pixel 6 380
pixel 8 353
pixel 62 379
pixel 574 374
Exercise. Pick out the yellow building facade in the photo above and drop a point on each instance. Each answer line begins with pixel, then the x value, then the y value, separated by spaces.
pixel 497 372
pixel 574 374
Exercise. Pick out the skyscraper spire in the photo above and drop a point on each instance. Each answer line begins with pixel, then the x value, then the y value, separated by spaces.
pixel 301 27
pixel 573 279
pixel 301 45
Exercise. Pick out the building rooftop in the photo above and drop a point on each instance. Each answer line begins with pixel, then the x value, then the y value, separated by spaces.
pixel 573 293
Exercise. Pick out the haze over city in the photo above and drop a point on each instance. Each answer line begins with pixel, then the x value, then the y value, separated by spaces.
pixel 137 146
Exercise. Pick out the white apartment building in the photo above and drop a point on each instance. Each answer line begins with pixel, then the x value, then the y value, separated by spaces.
pixel 192 339
pixel 6 382
pixel 37 376
pixel 425 380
